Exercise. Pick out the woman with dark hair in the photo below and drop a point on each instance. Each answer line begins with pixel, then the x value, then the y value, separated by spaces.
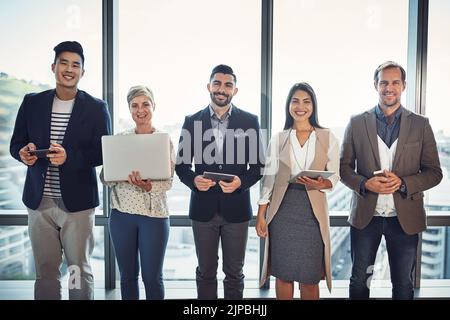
pixel 295 215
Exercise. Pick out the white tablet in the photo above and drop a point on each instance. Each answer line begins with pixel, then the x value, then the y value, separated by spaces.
pixel 314 174
pixel 147 153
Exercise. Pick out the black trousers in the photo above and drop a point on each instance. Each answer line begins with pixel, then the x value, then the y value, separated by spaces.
pixel 233 237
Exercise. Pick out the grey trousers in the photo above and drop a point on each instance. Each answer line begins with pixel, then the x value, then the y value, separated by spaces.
pixel 233 237
pixel 53 232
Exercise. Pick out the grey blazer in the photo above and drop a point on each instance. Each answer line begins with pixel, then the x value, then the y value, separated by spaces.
pixel 416 161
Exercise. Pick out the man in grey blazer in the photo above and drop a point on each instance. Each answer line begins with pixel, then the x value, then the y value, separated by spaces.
pixel 401 146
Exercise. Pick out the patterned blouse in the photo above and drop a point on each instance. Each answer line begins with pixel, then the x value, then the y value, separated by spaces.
pixel 131 199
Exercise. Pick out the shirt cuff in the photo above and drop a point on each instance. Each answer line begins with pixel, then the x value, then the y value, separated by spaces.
pixel 263 202
pixel 334 179
pixel 362 187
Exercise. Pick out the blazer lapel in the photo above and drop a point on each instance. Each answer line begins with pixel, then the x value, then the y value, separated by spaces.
pixel 233 123
pixel 319 150
pixel 371 126
pixel 206 125
pixel 206 119
pixel 47 113
pixel 405 125
pixel 75 115
pixel 284 147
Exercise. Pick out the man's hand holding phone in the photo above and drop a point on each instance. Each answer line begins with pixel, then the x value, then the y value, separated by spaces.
pixel 379 173
pixel 57 154
pixel 383 182
pixel 25 155
pixel 40 153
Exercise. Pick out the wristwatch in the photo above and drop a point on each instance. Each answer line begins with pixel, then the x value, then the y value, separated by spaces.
pixel 402 188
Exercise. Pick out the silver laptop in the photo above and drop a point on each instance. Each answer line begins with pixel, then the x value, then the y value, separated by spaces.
pixel 147 153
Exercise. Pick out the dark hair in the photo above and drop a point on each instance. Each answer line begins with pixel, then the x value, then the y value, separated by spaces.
pixel 69 46
pixel 222 68
pixel 388 65
pixel 303 86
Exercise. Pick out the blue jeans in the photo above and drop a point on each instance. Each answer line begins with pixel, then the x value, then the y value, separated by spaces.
pixel 130 234
pixel 402 252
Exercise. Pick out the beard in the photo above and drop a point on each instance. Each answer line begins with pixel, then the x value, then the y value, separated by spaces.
pixel 218 102
pixel 390 103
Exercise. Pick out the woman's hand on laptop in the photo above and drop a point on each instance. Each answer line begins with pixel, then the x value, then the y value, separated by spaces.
pixel 134 178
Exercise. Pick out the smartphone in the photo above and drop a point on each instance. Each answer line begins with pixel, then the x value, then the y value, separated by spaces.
pixel 40 153
pixel 378 173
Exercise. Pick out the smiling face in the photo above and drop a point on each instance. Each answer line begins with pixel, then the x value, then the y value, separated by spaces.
pixel 301 106
pixel 222 89
pixel 68 70
pixel 141 108
pixel 390 88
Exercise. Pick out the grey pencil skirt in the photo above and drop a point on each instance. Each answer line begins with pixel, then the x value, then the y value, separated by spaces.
pixel 296 245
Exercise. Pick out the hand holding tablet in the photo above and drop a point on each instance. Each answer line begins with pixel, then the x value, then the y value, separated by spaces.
pixel 215 176
pixel 313 174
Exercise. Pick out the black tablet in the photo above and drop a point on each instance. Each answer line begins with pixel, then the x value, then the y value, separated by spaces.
pixel 215 176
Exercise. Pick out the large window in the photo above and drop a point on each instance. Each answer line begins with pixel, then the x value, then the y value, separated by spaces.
pixel 338 59
pixel 172 47
pixel 25 60
pixel 437 97
pixel 16 256
pixel 180 260
pixel 436 241
pixel 336 50
pixel 25 67
pixel 436 253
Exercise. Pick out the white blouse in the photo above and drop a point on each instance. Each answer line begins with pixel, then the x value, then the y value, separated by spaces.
pixel 132 199
pixel 301 158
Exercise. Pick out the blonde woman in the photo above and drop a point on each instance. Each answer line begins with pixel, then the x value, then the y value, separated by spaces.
pixel 139 221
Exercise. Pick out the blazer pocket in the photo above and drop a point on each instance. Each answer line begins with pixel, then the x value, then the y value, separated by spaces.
pixel 417 196
pixel 412 144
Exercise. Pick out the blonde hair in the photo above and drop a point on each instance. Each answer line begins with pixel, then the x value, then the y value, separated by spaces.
pixel 137 91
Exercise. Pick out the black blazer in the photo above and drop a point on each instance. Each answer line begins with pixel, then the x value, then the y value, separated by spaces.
pixel 247 164
pixel 89 121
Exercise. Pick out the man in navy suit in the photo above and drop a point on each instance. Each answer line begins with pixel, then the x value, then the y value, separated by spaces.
pixel 222 139
pixel 60 189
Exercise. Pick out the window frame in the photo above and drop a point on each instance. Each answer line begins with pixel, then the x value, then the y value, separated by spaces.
pixel 417 66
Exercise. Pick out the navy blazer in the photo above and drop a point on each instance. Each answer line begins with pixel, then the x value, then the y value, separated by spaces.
pixel 236 206
pixel 88 122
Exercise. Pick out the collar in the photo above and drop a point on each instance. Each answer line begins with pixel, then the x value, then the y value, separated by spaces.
pixel 382 117
pixel 226 115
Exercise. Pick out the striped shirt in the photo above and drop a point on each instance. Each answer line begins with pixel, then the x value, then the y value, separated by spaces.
pixel 61 112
